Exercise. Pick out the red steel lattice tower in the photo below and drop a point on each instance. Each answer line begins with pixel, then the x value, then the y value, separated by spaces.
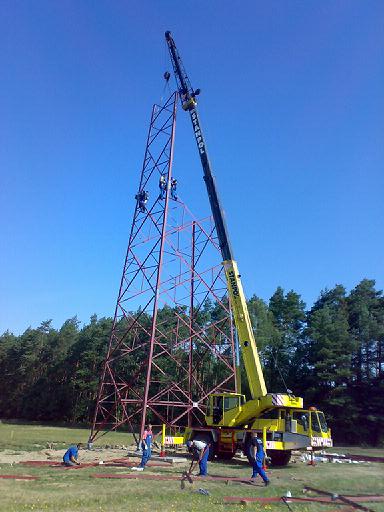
pixel 172 340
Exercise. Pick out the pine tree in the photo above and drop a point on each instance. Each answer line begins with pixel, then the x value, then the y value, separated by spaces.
pixel 288 313
pixel 330 354
pixel 366 319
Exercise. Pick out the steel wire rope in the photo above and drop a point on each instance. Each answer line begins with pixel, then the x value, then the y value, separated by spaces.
pixel 277 366
pixel 167 87
pixel 281 375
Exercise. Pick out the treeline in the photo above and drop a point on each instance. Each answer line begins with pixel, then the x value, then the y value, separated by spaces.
pixel 332 355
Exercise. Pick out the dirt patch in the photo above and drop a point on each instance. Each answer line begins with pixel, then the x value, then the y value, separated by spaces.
pixel 97 455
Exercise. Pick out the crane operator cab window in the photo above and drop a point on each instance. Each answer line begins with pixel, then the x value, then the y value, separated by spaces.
pixel 286 415
pixel 219 404
pixel 302 418
pixel 230 402
pixel 312 419
pixel 315 424
pixel 288 421
pixel 318 421
pixel 323 421
pixel 217 409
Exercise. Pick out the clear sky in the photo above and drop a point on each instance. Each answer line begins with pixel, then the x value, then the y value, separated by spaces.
pixel 292 107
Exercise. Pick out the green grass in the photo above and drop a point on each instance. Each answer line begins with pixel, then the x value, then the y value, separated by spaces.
pixel 68 490
pixel 358 450
pixel 37 437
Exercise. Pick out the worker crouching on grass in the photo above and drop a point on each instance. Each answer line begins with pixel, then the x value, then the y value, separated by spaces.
pixel 146 443
pixel 257 452
pixel 71 455
pixel 200 451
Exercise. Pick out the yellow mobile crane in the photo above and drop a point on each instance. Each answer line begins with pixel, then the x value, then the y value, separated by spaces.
pixel 230 418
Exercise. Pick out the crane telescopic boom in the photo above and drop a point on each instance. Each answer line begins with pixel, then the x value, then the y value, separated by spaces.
pixel 237 297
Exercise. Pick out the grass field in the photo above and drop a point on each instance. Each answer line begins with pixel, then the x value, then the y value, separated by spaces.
pixel 36 437
pixel 64 490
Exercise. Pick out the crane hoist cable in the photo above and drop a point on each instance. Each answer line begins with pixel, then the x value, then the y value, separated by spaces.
pixel 166 89
pixel 281 375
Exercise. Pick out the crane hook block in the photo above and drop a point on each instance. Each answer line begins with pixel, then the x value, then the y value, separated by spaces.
pixel 167 75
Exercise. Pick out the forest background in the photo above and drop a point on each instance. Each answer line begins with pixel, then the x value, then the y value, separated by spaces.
pixel 332 355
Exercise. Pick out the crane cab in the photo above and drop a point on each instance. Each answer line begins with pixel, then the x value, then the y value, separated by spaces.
pixel 312 423
pixel 305 424
pixel 223 408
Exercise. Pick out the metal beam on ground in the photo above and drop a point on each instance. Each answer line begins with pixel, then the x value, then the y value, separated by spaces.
pixel 151 476
pixel 340 497
pixel 19 477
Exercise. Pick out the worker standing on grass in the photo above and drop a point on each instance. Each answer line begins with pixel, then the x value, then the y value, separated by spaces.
pixel 71 455
pixel 257 452
pixel 200 450
pixel 146 442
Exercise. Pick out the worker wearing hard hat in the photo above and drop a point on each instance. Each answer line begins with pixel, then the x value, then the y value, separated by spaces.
pixel 257 452
pixel 200 449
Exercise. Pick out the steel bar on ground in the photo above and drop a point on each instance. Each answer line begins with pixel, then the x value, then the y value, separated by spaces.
pixel 19 477
pixel 340 497
pixel 151 476
pixel 108 463
pixel 315 499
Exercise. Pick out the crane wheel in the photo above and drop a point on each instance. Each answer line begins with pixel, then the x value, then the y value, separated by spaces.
pixel 278 457
pixel 226 456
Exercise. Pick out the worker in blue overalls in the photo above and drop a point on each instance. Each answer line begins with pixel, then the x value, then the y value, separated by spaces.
pixel 146 443
pixel 258 455
pixel 70 457
pixel 200 450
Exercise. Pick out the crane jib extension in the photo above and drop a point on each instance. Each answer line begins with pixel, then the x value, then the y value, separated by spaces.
pixel 235 288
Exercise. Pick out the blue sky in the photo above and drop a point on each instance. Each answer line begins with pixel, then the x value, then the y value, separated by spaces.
pixel 292 109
